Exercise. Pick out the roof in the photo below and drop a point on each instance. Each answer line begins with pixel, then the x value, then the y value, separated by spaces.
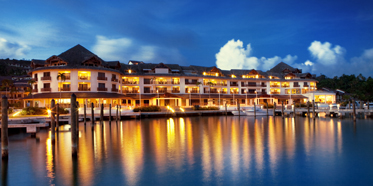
pixel 279 68
pixel 56 95
pixel 77 55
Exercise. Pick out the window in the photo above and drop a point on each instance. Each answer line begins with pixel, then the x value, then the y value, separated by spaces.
pixel 101 85
pixel 47 74
pixel 36 76
pixel 47 85
pixel 101 74
pixel 146 81
pixel 146 89
pixel 113 86
pixel 113 76
pixel 66 86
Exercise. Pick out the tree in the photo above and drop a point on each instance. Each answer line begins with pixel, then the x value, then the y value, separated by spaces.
pixel 199 84
pixel 6 83
pixel 61 77
pixel 29 90
pixel 210 84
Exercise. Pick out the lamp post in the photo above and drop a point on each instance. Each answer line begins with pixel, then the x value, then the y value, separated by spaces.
pixel 256 97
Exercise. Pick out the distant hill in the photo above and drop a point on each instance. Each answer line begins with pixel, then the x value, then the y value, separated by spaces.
pixel 11 67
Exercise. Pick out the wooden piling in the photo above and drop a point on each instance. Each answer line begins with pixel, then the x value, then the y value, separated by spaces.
pixel 313 109
pixel 354 110
pixel 120 112
pixel 116 118
pixel 226 109
pixel 92 114
pixel 110 113
pixel 274 109
pixel 74 144
pixel 267 108
pixel 77 118
pixel 308 109
pixel 85 114
pixel 368 105
pixel 53 121
pixel 282 109
pixel 4 128
pixel 238 108
pixel 57 117
pixel 102 114
pixel 294 110
pixel 361 104
pixel 254 110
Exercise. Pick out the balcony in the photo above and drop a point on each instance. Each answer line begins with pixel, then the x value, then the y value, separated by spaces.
pixel 211 91
pixel 234 85
pixel 84 77
pixel 131 91
pixel 64 89
pixel 275 92
pixel 34 90
pixel 102 78
pixel 84 89
pixel 130 82
pixel 175 91
pixel 34 79
pixel 274 85
pixel 46 89
pixel 101 89
pixel 190 83
pixel 45 78
pixel 114 89
pixel 296 85
pixel 114 79
pixel 66 78
pixel 285 86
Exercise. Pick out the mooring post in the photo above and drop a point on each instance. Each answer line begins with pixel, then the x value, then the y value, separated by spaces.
pixel 57 117
pixel 294 110
pixel 116 118
pixel 120 112
pixel 267 108
pixel 254 110
pixel 102 114
pixel 53 121
pixel 354 110
pixel 110 113
pixel 238 108
pixel 226 108
pixel 4 127
pixel 74 144
pixel 282 109
pixel 92 115
pixel 368 106
pixel 77 118
pixel 313 109
pixel 361 104
pixel 85 114
pixel 274 109
pixel 308 109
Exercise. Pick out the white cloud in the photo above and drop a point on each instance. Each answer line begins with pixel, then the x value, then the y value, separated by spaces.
pixel 111 49
pixel 362 64
pixel 12 49
pixel 325 54
pixel 146 53
pixel 308 63
pixel 234 56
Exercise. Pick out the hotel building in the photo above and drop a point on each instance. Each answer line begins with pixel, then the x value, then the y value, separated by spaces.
pixel 96 81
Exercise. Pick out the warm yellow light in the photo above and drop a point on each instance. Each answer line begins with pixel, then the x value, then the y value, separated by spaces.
pixel 243 76
pixel 49 111
pixel 257 76
pixel 204 73
pixel 129 71
pixel 182 109
pixel 15 114
pixel 216 74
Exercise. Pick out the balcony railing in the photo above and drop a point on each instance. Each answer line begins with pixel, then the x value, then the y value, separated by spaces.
pixel 175 91
pixel 46 89
pixel 234 85
pixel 102 78
pixel 212 91
pixel 274 85
pixel 66 78
pixel 34 90
pixel 285 86
pixel 114 89
pixel 130 82
pixel 130 91
pixel 34 79
pixel 84 89
pixel 46 78
pixel 296 85
pixel 114 79
pixel 192 91
pixel 84 77
pixel 190 83
pixel 101 89
pixel 275 92
pixel 166 82
pixel 64 89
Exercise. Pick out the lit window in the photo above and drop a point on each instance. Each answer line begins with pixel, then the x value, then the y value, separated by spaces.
pixel 129 71
pixel 216 74
pixel 204 73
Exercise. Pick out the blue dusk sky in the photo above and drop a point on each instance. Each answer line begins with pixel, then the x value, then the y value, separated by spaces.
pixel 321 37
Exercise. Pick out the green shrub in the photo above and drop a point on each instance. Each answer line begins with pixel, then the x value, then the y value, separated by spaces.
pixel 34 111
pixel 301 105
pixel 205 108
pixel 147 109
pixel 10 110
pixel 16 104
pixel 63 110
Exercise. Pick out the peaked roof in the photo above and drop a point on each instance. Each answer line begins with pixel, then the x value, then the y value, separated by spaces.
pixel 77 55
pixel 279 68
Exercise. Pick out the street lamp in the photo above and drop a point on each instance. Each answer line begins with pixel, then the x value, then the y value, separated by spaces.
pixel 256 97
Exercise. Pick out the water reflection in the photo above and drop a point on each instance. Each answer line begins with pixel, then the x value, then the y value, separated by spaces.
pixel 216 150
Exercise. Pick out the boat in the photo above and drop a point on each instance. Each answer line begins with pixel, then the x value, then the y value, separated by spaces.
pixel 249 111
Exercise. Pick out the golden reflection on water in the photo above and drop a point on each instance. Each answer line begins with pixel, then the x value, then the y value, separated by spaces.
pixel 220 145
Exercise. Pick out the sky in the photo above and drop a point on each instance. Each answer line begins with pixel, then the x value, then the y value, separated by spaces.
pixel 320 37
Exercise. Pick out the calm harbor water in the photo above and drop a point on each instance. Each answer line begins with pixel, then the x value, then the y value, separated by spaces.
pixel 198 151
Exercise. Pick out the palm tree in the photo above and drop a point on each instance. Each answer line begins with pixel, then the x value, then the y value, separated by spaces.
pixel 6 83
pixel 61 77
pixel 211 84
pixel 199 84
pixel 31 82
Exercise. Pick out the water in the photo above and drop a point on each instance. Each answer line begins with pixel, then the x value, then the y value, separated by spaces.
pixel 198 151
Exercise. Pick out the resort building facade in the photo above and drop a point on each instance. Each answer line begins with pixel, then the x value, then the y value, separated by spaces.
pixel 96 81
